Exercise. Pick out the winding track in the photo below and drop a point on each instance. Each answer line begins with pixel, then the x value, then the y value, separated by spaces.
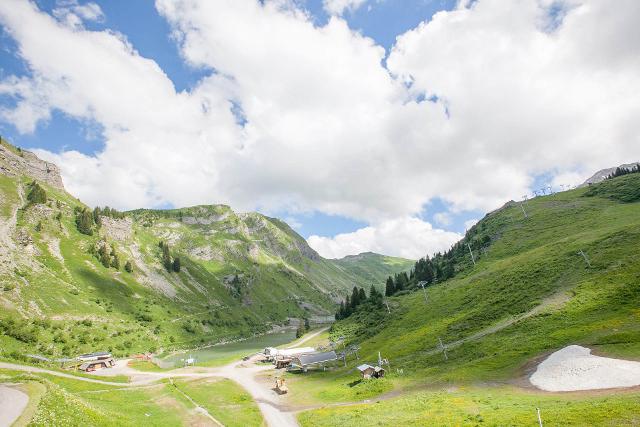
pixel 238 372
pixel 12 403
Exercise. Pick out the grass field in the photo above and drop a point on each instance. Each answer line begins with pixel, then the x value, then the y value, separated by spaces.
pixel 66 402
pixel 486 406
pixel 531 293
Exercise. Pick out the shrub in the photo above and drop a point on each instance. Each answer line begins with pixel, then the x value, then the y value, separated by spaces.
pixel 37 194
pixel 84 222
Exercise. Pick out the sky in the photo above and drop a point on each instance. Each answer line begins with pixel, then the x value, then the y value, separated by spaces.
pixel 368 125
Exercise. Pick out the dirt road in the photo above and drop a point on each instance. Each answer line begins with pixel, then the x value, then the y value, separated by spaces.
pixel 12 403
pixel 242 373
pixel 269 402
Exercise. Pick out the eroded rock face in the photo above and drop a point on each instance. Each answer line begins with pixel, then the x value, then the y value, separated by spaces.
pixel 116 228
pixel 15 163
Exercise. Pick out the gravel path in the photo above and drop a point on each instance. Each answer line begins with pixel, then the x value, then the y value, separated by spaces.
pixel 575 368
pixel 12 403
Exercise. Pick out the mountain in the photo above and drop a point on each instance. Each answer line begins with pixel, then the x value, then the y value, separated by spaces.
pixel 566 273
pixel 372 267
pixel 602 174
pixel 75 280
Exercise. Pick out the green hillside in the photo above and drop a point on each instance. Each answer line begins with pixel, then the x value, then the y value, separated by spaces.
pixel 146 279
pixel 373 268
pixel 531 293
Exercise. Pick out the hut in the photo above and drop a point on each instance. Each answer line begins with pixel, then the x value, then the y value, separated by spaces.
pixel 368 371
pixel 304 361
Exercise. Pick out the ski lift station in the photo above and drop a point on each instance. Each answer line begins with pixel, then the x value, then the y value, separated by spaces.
pixel 305 361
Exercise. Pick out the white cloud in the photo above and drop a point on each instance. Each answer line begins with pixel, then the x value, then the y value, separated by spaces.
pixel 442 218
pixel 406 237
pixel 328 127
pixel 337 7
pixel 470 223
pixel 71 13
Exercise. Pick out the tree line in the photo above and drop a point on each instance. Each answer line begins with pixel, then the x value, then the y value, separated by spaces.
pixel 624 171
pixel 358 298
pixel 440 267
pixel 87 221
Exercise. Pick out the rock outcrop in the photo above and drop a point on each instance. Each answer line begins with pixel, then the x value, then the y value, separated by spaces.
pixel 601 175
pixel 15 162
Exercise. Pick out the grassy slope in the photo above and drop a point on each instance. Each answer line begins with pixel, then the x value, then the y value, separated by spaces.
pixel 82 306
pixel 373 268
pixel 532 293
pixel 64 402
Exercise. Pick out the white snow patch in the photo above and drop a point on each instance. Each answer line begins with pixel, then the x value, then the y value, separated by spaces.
pixel 575 368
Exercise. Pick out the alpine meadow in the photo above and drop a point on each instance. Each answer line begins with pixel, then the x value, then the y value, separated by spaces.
pixel 318 213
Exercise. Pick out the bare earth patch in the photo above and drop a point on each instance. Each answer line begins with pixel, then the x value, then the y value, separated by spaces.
pixel 575 368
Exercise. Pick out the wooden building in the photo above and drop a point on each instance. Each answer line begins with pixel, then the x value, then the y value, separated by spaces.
pixel 369 371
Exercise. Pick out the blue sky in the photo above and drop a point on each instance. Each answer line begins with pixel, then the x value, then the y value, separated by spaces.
pixel 149 33
pixel 282 106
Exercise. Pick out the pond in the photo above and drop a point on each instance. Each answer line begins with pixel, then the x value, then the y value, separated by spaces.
pixel 226 353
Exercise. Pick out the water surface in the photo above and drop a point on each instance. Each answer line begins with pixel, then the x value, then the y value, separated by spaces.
pixel 222 353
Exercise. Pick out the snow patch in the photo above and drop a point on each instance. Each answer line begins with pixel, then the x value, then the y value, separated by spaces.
pixel 575 368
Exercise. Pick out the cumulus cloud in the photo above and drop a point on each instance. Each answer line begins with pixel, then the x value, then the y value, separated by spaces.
pixel 406 237
pixel 442 218
pixel 468 107
pixel 337 7
pixel 71 13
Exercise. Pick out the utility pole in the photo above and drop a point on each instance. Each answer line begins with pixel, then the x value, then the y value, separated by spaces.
pixel 444 349
pixel 586 259
pixel 471 252
pixel 422 283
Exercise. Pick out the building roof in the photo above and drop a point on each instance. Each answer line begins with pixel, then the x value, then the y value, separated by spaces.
pixel 97 354
pixel 364 367
pixel 313 358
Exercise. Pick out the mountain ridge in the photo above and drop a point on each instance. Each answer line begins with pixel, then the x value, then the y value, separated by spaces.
pixel 197 275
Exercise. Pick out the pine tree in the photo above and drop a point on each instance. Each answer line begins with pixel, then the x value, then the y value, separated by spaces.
pixel 37 195
pixel 166 256
pixel 389 288
pixel 104 255
pixel 84 222
pixel 96 216
pixel 362 296
pixel 354 297
pixel 128 267
pixel 176 265
pixel 374 296
pixel 347 307
pixel 115 260
pixel 307 326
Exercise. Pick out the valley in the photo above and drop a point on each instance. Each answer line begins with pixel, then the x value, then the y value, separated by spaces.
pixel 459 335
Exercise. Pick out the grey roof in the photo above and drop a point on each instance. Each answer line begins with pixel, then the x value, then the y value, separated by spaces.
pixel 364 367
pixel 313 358
pixel 97 354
